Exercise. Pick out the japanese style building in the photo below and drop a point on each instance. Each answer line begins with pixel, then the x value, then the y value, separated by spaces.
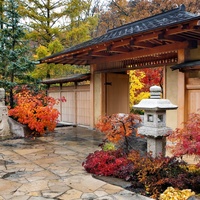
pixel 170 39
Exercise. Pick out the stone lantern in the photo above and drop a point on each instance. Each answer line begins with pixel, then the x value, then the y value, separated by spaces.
pixel 154 123
pixel 4 126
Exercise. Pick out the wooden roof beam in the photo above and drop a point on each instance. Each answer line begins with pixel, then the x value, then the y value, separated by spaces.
pixel 144 52
pixel 65 61
pixel 97 54
pixel 126 41
pixel 169 38
pixel 181 28
pixel 58 59
pixel 145 37
pixel 81 62
pixel 141 44
pixel 112 48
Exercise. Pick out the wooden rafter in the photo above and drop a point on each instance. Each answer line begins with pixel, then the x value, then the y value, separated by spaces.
pixel 145 52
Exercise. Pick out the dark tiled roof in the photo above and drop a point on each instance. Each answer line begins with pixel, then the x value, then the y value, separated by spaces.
pixel 188 65
pixel 162 20
pixel 71 78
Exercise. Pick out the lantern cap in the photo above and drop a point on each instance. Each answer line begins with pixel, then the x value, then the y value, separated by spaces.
pixel 155 102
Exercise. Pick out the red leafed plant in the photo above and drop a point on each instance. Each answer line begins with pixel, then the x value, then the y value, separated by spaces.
pixel 35 110
pixel 108 163
pixel 118 127
pixel 186 140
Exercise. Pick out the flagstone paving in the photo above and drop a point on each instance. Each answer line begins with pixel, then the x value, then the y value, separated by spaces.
pixel 50 167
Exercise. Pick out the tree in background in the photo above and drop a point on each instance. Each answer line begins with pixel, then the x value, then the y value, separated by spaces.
pixel 121 12
pixel 116 14
pixel 45 71
pixel 140 82
pixel 44 19
pixel 153 7
pixel 83 21
pixel 153 76
pixel 49 20
pixel 136 86
pixel 15 62
pixel 55 25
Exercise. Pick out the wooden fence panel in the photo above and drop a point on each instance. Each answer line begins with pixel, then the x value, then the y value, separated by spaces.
pixel 56 95
pixel 193 101
pixel 83 107
pixel 68 108
pixel 193 95
pixel 76 109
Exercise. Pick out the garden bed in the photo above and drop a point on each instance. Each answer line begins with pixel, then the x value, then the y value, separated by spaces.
pixel 121 183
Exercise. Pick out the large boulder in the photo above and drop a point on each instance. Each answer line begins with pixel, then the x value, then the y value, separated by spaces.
pixel 17 129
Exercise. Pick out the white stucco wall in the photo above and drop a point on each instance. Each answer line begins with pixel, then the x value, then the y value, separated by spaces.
pixel 171 94
pixel 98 95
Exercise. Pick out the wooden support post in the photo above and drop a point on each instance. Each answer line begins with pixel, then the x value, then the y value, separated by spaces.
pixel 75 102
pixel 92 96
pixel 60 103
pixel 181 90
pixel 104 94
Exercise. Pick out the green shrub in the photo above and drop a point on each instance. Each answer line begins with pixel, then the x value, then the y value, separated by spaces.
pixel 108 146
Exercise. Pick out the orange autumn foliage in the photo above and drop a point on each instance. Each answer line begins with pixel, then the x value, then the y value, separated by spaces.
pixel 118 126
pixel 35 110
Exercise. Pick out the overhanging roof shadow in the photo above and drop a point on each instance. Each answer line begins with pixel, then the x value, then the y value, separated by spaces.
pixel 72 78
pixel 187 66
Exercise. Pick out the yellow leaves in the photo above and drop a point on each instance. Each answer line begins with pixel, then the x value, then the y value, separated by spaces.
pixel 193 168
pixel 175 194
pixel 42 70
pixel 136 85
pixel 55 46
pixel 143 95
pixel 135 79
pixel 42 52
pixel 78 34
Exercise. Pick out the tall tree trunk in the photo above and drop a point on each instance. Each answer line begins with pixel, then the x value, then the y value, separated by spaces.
pixel 11 91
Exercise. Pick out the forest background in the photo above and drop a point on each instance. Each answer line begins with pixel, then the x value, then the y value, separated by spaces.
pixel 33 29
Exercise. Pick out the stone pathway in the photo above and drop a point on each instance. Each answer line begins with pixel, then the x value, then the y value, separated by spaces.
pixel 50 167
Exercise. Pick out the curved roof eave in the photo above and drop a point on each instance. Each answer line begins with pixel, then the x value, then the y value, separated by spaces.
pixel 156 22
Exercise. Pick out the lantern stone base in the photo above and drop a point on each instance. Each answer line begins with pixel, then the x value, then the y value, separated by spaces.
pixel 4 126
pixel 156 146
pixel 4 130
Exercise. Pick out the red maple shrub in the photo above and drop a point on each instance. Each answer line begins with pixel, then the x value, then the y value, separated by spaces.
pixel 35 110
pixel 186 140
pixel 118 127
pixel 108 163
